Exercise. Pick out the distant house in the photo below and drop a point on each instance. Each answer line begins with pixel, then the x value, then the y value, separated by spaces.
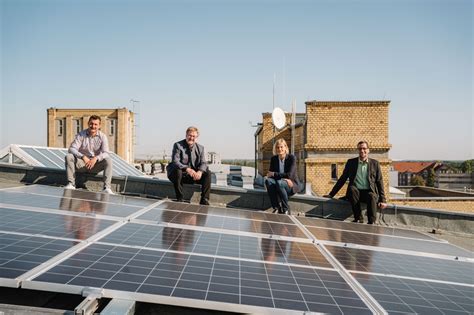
pixel 446 177
pixel 407 169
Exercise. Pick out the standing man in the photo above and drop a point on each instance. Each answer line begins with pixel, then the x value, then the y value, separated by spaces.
pixel 189 166
pixel 89 152
pixel 365 184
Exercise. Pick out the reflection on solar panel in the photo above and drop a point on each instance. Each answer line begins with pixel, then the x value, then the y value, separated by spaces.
pixel 388 241
pixel 355 259
pixel 82 194
pixel 51 224
pixel 402 296
pixel 364 228
pixel 223 223
pixel 96 204
pixel 233 213
pixel 54 158
pixel 207 257
pixel 202 242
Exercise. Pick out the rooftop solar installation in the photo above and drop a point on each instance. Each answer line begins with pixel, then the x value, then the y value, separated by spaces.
pixel 211 243
pixel 21 253
pixel 55 158
pixel 362 260
pixel 144 271
pixel 363 228
pixel 225 259
pixel 225 212
pixel 405 296
pixel 83 194
pixel 223 223
pixel 392 242
pixel 51 224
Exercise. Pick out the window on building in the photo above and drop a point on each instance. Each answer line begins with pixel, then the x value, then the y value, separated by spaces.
pixel 60 127
pixel 77 125
pixel 334 171
pixel 112 127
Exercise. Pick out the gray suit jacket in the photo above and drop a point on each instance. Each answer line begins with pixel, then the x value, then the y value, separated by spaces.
pixel 184 157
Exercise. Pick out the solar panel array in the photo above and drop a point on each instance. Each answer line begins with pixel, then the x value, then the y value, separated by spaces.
pixel 209 257
pixel 55 158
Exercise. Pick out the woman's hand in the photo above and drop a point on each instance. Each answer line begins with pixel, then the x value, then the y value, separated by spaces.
pixel 270 174
pixel 289 182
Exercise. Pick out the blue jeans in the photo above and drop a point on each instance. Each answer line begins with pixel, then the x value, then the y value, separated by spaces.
pixel 278 191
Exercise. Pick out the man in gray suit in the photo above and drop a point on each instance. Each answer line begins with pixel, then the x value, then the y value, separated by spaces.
pixel 189 166
pixel 365 184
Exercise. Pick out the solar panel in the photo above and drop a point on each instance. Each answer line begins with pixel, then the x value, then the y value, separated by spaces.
pixel 223 223
pixel 362 260
pixel 21 253
pixel 225 212
pixel 229 245
pixel 81 194
pixel 54 158
pixel 51 224
pixel 392 242
pixel 216 258
pixel 143 272
pixel 363 228
pixel 402 296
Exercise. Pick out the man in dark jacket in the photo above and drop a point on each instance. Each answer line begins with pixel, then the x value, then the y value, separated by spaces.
pixel 365 184
pixel 189 166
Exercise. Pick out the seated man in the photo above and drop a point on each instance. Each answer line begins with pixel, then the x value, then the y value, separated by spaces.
pixel 365 184
pixel 89 153
pixel 189 166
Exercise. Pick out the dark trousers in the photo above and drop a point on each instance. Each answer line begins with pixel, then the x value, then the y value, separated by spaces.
pixel 357 196
pixel 178 178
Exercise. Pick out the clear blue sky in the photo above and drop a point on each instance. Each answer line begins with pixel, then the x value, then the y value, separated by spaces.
pixel 211 64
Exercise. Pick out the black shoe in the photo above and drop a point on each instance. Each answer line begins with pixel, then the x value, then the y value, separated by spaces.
pixel 204 202
pixel 358 220
pixel 370 222
pixel 180 200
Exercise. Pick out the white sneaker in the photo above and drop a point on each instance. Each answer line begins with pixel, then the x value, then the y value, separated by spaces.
pixel 108 191
pixel 69 186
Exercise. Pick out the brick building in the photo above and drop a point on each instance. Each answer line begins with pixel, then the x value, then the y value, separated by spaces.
pixel 326 136
pixel 117 124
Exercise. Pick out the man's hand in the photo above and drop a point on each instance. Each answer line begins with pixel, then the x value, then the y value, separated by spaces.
pixel 382 205
pixel 270 174
pixel 89 162
pixel 197 175
pixel 289 182
pixel 328 196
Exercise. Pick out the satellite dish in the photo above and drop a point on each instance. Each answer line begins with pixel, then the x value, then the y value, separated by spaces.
pixel 278 118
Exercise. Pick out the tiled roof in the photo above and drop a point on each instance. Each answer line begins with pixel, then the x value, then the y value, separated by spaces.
pixel 412 167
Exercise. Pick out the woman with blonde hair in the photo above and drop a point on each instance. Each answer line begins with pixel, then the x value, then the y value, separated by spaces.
pixel 282 180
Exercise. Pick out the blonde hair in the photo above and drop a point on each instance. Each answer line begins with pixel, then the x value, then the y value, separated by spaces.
pixel 192 128
pixel 280 141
